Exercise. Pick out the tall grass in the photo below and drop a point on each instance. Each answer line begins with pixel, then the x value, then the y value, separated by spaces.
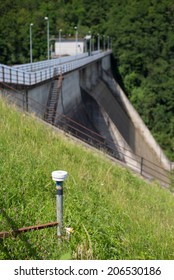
pixel 115 214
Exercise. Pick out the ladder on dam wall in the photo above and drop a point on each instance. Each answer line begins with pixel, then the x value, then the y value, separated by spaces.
pixel 53 98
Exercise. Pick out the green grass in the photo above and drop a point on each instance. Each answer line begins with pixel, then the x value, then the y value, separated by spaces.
pixel 115 215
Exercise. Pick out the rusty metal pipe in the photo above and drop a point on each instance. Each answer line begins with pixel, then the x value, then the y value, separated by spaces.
pixel 14 232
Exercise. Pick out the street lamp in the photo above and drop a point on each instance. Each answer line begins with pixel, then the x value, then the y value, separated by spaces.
pixel 111 43
pixel 85 47
pixel 90 42
pixel 31 55
pixel 93 43
pixel 76 38
pixel 48 35
pixel 60 30
pixel 103 42
pixel 108 42
pixel 98 42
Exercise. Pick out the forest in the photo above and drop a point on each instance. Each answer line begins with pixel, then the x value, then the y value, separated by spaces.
pixel 142 33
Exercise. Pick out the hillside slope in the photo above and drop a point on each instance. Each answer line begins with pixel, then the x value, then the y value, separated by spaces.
pixel 115 215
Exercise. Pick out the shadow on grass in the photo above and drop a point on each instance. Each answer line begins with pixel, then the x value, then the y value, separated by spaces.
pixel 32 253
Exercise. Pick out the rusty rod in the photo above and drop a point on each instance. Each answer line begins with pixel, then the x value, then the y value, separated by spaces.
pixel 14 232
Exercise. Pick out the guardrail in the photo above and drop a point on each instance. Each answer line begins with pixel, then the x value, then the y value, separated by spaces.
pixel 35 66
pixel 15 75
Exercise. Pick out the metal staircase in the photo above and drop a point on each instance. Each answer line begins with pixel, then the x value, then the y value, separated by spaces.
pixel 53 98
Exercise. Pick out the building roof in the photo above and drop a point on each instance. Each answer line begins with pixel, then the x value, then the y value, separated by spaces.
pixel 69 40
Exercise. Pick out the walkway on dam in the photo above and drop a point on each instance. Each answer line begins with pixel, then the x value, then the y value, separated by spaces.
pixel 37 72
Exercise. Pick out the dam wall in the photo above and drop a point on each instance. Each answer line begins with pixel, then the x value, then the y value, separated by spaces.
pixel 93 101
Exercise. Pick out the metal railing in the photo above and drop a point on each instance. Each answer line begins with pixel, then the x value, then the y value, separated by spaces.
pixel 19 75
pixel 35 66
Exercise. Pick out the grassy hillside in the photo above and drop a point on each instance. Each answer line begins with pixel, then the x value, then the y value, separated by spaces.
pixel 115 215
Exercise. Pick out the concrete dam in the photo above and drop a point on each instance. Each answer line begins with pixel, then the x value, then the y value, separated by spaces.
pixel 89 103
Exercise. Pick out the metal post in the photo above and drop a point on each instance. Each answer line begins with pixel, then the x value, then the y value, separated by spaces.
pixel 104 43
pixel 48 36
pixel 60 49
pixel 31 55
pixel 76 39
pixel 90 42
pixel 26 101
pixel 141 166
pixel 93 43
pixel 59 177
pixel 85 46
pixel 98 42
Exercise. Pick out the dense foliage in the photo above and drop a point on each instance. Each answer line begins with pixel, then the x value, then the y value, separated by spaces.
pixel 142 33
pixel 144 49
